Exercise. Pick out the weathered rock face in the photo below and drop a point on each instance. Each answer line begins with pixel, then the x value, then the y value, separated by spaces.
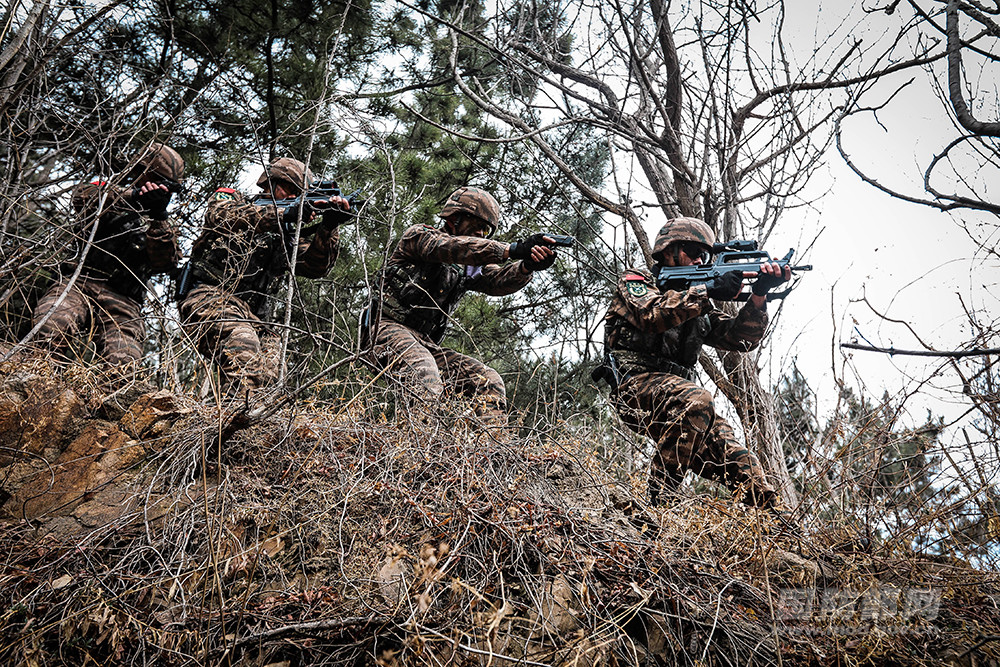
pixel 37 412
pixel 66 471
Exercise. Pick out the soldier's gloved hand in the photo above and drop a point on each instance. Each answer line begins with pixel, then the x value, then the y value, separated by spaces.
pixel 542 257
pixel 769 279
pixel 522 249
pixel 337 213
pixel 765 283
pixel 291 215
pixel 153 198
pixel 725 287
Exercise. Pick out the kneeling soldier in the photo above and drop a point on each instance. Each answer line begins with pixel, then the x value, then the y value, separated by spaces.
pixel 654 338
pixel 421 284
pixel 132 242
pixel 236 265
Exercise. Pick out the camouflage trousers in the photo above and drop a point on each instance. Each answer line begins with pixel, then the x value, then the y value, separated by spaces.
pixel 226 331
pixel 92 311
pixel 432 372
pixel 680 416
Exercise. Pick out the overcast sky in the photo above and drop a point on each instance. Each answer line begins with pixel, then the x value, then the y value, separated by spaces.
pixel 911 262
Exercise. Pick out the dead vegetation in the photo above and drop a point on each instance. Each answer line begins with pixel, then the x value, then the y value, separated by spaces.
pixel 332 534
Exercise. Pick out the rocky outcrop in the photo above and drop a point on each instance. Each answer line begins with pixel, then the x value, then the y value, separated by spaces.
pixel 67 470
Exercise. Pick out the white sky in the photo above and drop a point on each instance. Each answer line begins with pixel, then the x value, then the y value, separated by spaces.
pixel 910 261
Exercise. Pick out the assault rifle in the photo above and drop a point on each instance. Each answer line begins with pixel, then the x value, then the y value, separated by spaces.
pixel 734 256
pixel 141 170
pixel 314 199
pixel 173 187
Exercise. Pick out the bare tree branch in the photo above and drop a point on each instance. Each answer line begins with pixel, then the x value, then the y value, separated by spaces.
pixel 965 117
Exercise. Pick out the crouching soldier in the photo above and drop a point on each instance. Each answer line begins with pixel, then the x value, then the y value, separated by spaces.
pixel 654 339
pixel 236 266
pixel 132 241
pixel 420 286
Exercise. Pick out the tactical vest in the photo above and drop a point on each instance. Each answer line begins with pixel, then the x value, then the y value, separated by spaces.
pixel 248 264
pixel 673 351
pixel 118 254
pixel 421 295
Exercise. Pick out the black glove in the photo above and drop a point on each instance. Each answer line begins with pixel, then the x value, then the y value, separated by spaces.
pixel 335 216
pixel 766 282
pixel 725 287
pixel 154 202
pixel 291 215
pixel 522 249
pixel 532 265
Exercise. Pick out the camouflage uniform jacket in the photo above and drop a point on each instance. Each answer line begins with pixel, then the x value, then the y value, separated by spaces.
pixel 653 331
pixel 430 270
pixel 244 250
pixel 128 246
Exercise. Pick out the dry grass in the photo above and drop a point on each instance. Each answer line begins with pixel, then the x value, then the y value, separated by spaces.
pixel 330 534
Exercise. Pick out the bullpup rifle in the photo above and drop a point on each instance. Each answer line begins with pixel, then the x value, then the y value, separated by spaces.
pixel 560 240
pixel 734 256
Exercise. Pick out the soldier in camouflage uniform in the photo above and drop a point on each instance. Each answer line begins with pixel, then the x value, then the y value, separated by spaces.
pixel 655 338
pixel 236 266
pixel 132 241
pixel 421 284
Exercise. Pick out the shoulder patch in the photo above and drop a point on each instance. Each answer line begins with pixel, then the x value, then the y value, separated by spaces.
pixel 632 275
pixel 636 284
pixel 224 194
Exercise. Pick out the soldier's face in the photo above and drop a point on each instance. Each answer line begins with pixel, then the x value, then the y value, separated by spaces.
pixel 688 253
pixel 467 225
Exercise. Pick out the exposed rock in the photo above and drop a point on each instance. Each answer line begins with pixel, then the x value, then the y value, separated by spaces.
pixel 153 413
pixel 37 411
pixel 67 471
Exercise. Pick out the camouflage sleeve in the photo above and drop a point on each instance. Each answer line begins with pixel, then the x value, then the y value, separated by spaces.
pixel 161 246
pixel 229 212
pixel 500 279
pixel 646 308
pixel 87 197
pixel 315 257
pixel 740 333
pixel 427 244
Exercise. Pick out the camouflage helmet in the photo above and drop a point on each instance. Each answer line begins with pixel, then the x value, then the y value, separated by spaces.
pixel 163 161
pixel 683 229
pixel 476 202
pixel 286 170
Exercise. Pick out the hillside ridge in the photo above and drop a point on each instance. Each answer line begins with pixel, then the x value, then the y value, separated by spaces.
pixel 324 535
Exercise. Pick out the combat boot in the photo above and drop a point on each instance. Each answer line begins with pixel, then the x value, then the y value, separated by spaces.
pixel 664 481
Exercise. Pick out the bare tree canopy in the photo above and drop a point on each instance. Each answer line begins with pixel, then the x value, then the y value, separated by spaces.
pixel 949 51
